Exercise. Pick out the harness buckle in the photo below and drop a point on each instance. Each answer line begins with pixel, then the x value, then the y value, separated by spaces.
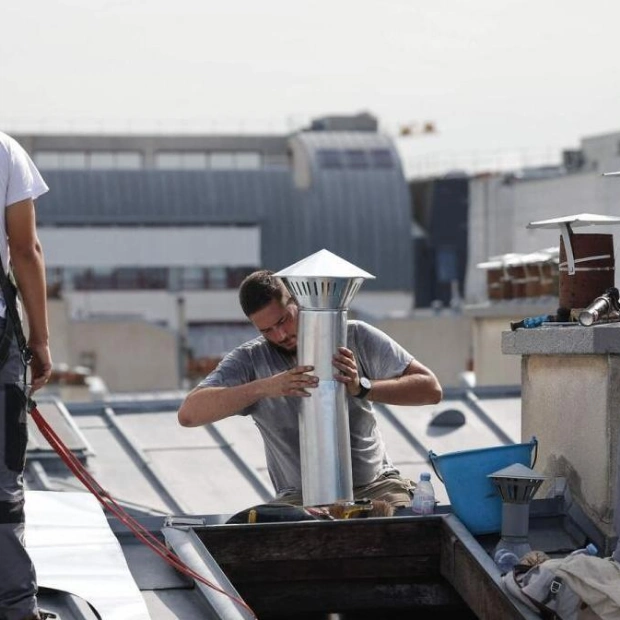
pixel 26 356
pixel 555 586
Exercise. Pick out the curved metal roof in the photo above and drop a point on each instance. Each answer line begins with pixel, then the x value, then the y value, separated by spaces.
pixel 360 210
pixel 357 206
pixel 160 197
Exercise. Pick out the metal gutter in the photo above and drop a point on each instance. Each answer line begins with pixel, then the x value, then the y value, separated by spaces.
pixel 187 546
pixel 474 575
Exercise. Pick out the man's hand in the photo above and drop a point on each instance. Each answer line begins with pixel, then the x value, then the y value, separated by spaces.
pixel 40 366
pixel 293 382
pixel 344 361
pixel 208 404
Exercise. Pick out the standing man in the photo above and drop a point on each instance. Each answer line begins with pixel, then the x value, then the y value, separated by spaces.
pixel 20 185
pixel 261 378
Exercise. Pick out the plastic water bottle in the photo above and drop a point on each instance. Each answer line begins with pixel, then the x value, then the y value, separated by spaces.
pixel 423 502
pixel 505 560
pixel 589 549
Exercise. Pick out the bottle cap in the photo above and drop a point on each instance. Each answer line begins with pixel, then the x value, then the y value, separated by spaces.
pixel 425 476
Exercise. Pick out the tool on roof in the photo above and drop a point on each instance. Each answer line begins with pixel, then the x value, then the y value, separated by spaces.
pixel 606 306
pixel 562 315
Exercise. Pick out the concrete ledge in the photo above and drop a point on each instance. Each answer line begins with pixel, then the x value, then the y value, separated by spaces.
pixel 565 339
pixel 513 309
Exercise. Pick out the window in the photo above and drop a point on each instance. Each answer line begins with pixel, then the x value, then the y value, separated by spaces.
pixel 447 263
pixel 248 160
pixel 146 278
pixel 218 278
pixel 115 160
pixel 95 160
pixel 153 278
pixel 122 279
pixel 222 161
pixel 193 278
pixel 356 158
pixel 330 158
pixel 236 275
pixel 381 158
pixel 102 161
pixel 126 279
pixel 181 160
pixel 199 160
pixel 60 160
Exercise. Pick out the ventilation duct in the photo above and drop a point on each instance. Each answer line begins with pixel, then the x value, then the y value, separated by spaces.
pixel 516 484
pixel 323 285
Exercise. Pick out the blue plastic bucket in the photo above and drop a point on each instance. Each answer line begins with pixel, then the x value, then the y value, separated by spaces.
pixel 473 496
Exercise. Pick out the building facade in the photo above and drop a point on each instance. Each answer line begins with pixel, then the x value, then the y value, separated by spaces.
pixel 502 206
pixel 164 228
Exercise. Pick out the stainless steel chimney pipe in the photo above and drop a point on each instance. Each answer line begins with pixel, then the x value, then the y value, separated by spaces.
pixel 323 285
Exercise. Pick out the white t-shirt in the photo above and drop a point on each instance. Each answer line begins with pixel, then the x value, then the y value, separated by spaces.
pixel 19 180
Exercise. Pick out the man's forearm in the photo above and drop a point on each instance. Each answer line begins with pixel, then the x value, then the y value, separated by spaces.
pixel 210 404
pixel 30 276
pixel 412 388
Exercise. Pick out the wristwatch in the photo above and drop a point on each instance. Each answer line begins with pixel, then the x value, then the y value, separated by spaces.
pixel 365 387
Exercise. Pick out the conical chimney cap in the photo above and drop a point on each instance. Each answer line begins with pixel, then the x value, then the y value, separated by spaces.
pixel 324 264
pixel 323 281
pixel 566 225
pixel 517 470
pixel 581 219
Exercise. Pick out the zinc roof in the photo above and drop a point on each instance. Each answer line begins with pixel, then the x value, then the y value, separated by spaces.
pixel 359 212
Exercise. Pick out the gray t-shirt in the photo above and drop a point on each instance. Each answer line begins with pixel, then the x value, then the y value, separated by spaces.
pixel 378 357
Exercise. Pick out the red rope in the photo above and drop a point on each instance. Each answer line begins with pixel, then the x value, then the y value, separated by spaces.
pixel 109 503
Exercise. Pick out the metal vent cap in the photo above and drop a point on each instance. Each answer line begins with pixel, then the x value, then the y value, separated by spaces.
pixel 323 293
pixel 323 281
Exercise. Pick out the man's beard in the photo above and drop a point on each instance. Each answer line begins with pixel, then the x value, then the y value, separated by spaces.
pixel 282 349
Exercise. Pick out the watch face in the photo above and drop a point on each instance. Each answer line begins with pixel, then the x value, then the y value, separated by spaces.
pixel 365 383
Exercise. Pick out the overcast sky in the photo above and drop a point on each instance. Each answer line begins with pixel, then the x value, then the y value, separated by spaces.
pixel 493 75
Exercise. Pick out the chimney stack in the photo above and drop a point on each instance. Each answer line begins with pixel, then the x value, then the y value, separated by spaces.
pixel 323 285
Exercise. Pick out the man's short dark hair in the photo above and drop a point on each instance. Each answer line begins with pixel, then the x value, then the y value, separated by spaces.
pixel 259 289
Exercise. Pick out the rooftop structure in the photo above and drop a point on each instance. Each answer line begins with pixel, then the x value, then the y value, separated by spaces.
pixel 195 479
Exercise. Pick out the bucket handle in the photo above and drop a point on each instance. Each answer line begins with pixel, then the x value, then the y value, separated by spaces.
pixel 535 442
pixel 432 456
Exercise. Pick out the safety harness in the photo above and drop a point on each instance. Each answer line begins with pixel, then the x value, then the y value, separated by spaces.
pixel 13 323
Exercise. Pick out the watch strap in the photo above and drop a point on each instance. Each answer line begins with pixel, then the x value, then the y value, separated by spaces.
pixel 363 390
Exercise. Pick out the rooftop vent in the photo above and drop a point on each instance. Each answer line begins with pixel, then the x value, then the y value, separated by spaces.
pixel 516 485
pixel 586 262
pixel 448 417
pixel 323 281
pixel 323 285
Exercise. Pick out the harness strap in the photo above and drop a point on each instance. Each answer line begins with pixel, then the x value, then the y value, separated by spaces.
pixel 13 326
pixel 543 610
pixel 9 291
pixel 5 340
